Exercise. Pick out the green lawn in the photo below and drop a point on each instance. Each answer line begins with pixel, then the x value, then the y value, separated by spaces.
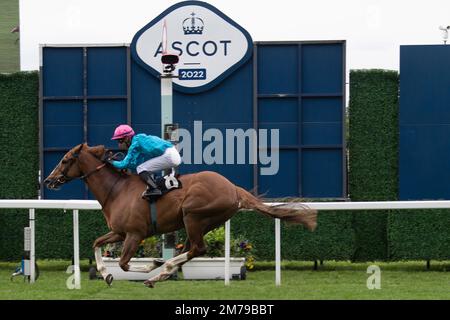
pixel 334 280
pixel 9 47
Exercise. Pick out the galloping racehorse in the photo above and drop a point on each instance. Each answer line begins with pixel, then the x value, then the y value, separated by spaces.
pixel 205 202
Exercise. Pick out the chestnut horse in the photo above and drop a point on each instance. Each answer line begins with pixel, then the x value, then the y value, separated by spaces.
pixel 205 202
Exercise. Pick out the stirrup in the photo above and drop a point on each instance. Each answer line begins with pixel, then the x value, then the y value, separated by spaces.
pixel 148 194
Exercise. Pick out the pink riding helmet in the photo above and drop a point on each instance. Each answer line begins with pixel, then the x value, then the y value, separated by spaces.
pixel 123 131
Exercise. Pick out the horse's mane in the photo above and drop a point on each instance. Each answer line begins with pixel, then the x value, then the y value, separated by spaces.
pixel 99 153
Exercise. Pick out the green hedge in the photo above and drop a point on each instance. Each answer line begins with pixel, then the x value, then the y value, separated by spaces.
pixel 19 158
pixel 333 239
pixel 54 231
pixel 18 155
pixel 19 140
pixel 373 145
pixel 419 235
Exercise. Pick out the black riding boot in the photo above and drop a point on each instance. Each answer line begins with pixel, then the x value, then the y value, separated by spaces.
pixel 152 188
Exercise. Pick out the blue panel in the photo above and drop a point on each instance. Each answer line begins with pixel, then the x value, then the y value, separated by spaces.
pixel 63 124
pixel 63 136
pixel 322 68
pixel 72 190
pixel 424 122
pixel 63 71
pixel 278 110
pixel 321 73
pixel 322 109
pixel 322 121
pixel 107 71
pixel 278 69
pixel 241 174
pixel 285 182
pixel 101 112
pixel 217 108
pixel 153 129
pixel 227 144
pixel 63 112
pixel 218 105
pixel 101 135
pixel 146 97
pixel 317 133
pixel 103 117
pixel 288 132
pixel 322 173
pixel 282 115
pixel 278 72
pixel 424 84
pixel 424 162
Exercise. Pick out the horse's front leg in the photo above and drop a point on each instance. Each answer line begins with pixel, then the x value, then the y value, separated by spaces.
pixel 110 237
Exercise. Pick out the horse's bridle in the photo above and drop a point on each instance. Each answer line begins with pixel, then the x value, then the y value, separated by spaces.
pixel 83 177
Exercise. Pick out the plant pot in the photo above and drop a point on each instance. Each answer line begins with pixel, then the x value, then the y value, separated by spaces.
pixel 195 269
pixel 213 268
pixel 113 268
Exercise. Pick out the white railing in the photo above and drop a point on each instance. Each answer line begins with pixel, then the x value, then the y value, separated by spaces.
pixel 77 205
pixel 74 205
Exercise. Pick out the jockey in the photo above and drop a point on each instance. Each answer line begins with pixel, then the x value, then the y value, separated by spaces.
pixel 147 154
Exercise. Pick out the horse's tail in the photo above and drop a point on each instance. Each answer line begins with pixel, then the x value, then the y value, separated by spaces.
pixel 302 214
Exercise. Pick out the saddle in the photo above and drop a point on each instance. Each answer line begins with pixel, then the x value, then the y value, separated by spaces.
pixel 166 184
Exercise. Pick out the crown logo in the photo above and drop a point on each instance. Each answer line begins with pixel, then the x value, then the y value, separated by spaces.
pixel 193 25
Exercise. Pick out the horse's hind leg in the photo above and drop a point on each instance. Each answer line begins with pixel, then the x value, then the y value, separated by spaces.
pixel 194 230
pixel 110 237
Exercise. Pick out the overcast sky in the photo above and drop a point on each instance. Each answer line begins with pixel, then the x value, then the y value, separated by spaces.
pixel 374 29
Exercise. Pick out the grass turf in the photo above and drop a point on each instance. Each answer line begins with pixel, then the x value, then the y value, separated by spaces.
pixel 334 280
pixel 9 46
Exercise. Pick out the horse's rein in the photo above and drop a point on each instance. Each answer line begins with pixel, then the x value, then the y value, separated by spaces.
pixel 92 172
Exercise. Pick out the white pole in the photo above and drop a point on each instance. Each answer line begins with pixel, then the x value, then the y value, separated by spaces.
pixel 32 247
pixel 166 101
pixel 76 250
pixel 277 253
pixel 227 253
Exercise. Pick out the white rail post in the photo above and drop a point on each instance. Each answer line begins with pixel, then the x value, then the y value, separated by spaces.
pixel 277 253
pixel 227 253
pixel 32 247
pixel 76 250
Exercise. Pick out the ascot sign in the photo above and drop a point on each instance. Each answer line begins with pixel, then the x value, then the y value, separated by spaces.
pixel 210 45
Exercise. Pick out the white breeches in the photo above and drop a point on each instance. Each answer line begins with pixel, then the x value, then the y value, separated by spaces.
pixel 169 159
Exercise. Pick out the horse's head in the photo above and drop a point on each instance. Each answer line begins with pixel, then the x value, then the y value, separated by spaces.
pixel 68 168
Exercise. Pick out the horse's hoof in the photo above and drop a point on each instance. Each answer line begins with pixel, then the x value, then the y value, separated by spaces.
pixel 149 284
pixel 109 279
